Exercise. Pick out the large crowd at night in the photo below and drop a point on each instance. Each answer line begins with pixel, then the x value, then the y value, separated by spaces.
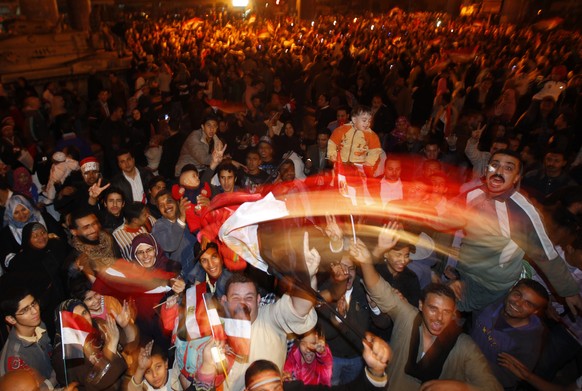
pixel 376 201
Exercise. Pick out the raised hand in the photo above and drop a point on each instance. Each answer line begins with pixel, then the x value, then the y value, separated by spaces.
pixel 458 288
pixel 377 354
pixel 124 317
pixel 389 236
pixel 96 190
pixel 360 253
pixel 217 155
pixel 178 285
pixel 144 360
pixel 111 334
pixel 332 229
pixel 312 257
pixel 476 134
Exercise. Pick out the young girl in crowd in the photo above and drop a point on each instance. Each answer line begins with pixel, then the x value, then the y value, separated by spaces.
pixel 310 359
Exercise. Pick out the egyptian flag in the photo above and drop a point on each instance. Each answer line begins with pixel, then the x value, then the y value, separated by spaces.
pixel 238 334
pixel 197 323
pixel 235 328
pixel 74 331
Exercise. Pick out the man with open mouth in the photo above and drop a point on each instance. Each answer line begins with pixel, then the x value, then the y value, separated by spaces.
pixel 503 228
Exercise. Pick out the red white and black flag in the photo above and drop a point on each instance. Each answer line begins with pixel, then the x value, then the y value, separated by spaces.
pixel 74 332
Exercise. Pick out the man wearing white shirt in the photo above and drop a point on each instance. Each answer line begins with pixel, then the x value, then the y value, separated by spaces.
pixel 132 180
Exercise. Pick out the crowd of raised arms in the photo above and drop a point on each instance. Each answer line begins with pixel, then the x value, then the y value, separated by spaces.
pixel 361 202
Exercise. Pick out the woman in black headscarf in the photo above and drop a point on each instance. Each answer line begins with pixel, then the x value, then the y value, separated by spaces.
pixel 38 266
pixel 19 212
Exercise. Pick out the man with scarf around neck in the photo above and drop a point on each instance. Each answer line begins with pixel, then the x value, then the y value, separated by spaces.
pixel 90 239
pixel 430 351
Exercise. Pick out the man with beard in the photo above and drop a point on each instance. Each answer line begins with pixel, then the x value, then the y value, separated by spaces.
pixel 501 228
pixel 90 239
pixel 430 351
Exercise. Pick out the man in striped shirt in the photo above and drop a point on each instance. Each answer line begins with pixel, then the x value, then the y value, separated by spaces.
pixel 137 221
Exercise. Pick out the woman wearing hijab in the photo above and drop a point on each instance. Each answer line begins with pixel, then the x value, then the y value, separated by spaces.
pixel 19 212
pixel 102 366
pixel 153 265
pixel 38 266
pixel 147 252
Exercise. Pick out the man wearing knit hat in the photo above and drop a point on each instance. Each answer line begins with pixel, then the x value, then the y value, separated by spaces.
pixel 90 170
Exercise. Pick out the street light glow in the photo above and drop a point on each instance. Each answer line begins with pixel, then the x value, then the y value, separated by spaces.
pixel 240 3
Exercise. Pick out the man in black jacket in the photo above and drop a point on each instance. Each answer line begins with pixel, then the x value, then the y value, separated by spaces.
pixel 344 343
pixel 132 180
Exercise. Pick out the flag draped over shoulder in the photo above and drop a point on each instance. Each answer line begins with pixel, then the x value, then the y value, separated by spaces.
pixel 74 332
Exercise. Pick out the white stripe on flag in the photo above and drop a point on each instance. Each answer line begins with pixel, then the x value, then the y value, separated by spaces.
pixel 191 321
pixel 239 231
pixel 73 336
pixel 237 328
pixel 114 273
pixel 160 289
pixel 213 317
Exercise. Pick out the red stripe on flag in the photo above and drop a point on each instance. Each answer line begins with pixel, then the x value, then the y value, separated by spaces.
pixel 75 321
pixel 74 332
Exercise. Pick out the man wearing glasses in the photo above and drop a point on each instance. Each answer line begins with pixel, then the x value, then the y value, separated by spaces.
pixel 28 345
